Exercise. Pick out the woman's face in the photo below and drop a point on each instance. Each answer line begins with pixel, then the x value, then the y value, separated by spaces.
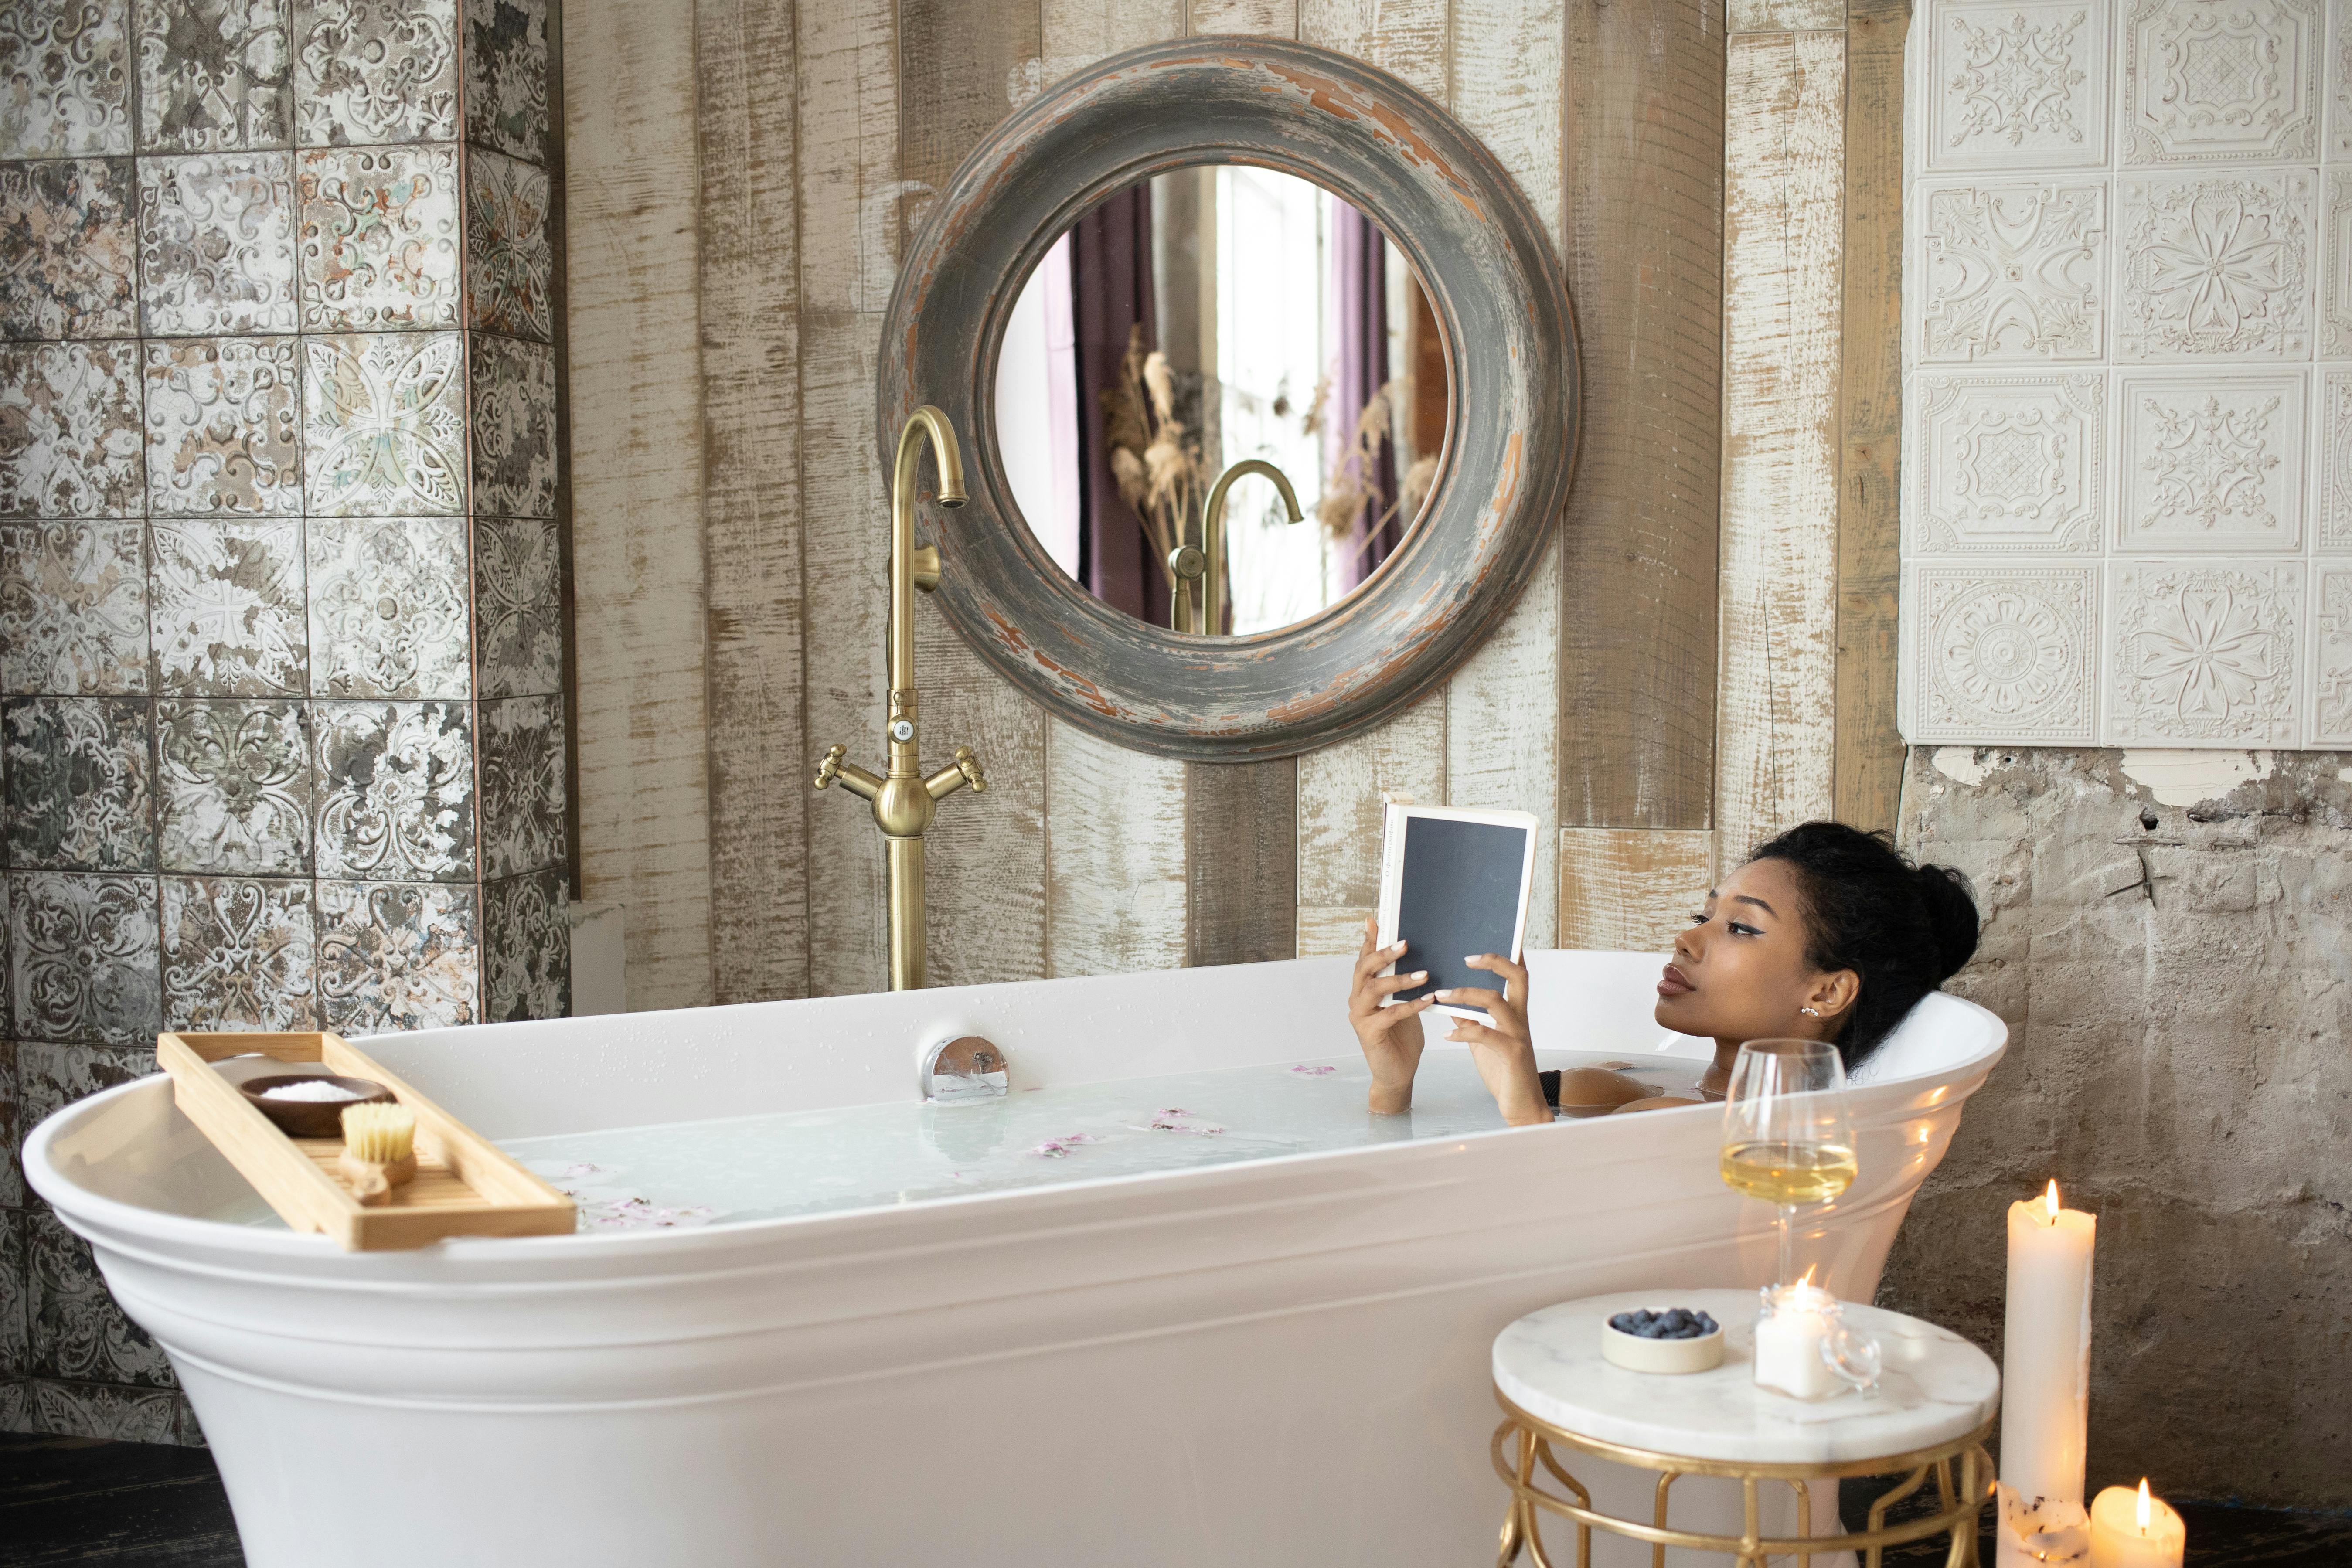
pixel 1739 971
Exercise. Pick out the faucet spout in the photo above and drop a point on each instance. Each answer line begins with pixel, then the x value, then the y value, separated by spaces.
pixel 926 424
pixel 1209 608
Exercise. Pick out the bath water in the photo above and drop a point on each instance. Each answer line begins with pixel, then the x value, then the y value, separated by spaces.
pixel 820 1162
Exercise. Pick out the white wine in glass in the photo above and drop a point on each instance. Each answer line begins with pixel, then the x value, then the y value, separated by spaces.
pixel 1788 1137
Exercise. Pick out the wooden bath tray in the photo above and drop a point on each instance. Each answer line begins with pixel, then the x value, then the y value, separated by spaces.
pixel 465 1184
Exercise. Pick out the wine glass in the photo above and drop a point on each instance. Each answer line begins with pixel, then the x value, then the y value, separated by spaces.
pixel 1788 1137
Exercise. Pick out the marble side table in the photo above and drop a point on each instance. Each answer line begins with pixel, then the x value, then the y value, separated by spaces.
pixel 1933 1405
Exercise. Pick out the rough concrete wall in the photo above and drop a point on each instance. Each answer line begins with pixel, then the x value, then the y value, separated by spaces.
pixel 2168 940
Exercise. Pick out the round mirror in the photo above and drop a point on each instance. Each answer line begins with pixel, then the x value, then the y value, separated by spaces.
pixel 1389 335
pixel 1221 399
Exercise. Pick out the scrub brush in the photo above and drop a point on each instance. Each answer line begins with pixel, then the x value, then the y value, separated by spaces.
pixel 379 1151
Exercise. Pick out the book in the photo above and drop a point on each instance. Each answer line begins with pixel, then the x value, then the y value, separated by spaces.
pixel 1454 884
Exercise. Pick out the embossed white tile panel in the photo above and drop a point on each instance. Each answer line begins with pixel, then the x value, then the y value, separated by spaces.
pixel 2021 84
pixel 2215 265
pixel 2008 463
pixel 2003 648
pixel 2128 374
pixel 2211 464
pixel 2222 81
pixel 2008 271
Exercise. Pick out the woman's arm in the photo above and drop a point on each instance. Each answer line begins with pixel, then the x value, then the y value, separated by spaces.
pixel 1391 1037
pixel 1503 1052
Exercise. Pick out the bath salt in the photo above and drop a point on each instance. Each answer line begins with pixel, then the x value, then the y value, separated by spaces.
pixel 311 1089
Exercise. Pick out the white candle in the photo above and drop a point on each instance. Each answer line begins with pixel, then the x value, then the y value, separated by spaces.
pixel 2045 1380
pixel 2132 1530
pixel 1789 1343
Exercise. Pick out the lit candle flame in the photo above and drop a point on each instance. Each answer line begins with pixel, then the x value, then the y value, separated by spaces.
pixel 2050 1201
pixel 2143 1505
pixel 1807 1282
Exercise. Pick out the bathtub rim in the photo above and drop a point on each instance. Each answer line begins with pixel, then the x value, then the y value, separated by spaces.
pixel 90 1212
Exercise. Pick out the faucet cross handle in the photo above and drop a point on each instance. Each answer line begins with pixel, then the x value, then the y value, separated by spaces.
pixel 964 770
pixel 848 774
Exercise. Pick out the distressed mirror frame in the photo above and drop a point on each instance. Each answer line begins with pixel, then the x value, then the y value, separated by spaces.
pixel 1509 456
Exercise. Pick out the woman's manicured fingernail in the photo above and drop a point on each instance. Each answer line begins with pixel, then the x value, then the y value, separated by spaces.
pixel 1421 974
pixel 1475 957
pixel 1443 996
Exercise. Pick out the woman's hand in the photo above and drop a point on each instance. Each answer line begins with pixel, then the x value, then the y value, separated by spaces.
pixel 1390 1035
pixel 1503 1052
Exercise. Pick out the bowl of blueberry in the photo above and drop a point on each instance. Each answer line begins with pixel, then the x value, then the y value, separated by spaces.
pixel 1663 1339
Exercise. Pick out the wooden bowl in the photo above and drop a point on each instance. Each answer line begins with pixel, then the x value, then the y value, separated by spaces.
pixel 312 1118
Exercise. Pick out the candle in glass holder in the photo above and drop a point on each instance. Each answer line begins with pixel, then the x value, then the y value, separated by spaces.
pixel 1789 1343
pixel 2045 1381
pixel 2133 1530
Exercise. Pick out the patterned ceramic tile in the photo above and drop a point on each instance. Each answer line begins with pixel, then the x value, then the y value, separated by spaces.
pixel 2334 455
pixel 379 243
pixel 82 960
pixel 70 430
pixel 514 426
pixel 371 72
pixel 2202 651
pixel 2208 81
pixel 236 795
pixel 73 607
pixel 236 955
pixel 507 75
pixel 385 424
pixel 77 1330
pixel 2216 265
pixel 223 427
pixel 388 607
pixel 518 607
pixel 101 1410
pixel 2004 651
pixel 15 1338
pixel 2335 277
pixel 2009 463
pixel 395 791
pixel 80 783
pixel 65 77
pixel 522 785
pixel 227 609
pixel 2011 84
pixel 214 75
pixel 397 955
pixel 2331 655
pixel 526 947
pixel 2339 108
pixel 2211 463
pixel 2012 272
pixel 17 1406
pixel 510 253
pixel 216 244
pixel 69 250
pixel 13 1124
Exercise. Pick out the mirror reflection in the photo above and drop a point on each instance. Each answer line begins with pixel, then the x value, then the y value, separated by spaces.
pixel 1221 399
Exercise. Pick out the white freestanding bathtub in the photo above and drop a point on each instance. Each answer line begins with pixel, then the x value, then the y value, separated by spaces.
pixel 1277 1361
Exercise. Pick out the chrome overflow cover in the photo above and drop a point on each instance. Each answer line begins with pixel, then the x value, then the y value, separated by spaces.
pixel 966 1067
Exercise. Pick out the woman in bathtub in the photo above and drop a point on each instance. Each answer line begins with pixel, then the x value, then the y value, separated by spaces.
pixel 1826 933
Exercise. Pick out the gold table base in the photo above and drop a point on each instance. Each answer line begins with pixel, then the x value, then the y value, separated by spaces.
pixel 1962 1502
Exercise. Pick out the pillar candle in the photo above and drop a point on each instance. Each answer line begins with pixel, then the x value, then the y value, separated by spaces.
pixel 2045 1380
pixel 2132 1530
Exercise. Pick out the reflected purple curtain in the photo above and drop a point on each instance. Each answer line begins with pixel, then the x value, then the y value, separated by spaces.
pixel 1358 304
pixel 1110 293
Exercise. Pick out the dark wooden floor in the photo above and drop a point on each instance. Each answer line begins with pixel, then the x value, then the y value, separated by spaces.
pixel 137 1505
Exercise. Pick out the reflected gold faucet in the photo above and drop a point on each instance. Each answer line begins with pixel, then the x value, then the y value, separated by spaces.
pixel 905 801
pixel 1203 603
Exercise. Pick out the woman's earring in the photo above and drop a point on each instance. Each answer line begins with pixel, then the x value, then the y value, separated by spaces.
pixel 1808 1012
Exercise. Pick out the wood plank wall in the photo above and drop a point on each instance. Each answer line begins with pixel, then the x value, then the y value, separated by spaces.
pixel 745 173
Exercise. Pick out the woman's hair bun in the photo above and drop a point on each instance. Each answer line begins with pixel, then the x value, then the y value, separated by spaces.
pixel 1951 914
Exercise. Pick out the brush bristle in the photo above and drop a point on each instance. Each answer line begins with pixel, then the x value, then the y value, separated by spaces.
pixel 379 1134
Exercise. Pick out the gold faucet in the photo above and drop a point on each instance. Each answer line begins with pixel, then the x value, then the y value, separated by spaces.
pixel 1203 603
pixel 904 802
